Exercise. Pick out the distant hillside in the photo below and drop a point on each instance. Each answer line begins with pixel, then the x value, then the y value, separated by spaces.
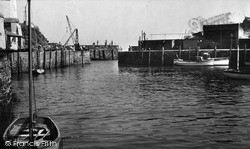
pixel 38 39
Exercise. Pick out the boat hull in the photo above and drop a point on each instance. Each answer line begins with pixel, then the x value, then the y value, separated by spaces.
pixel 187 63
pixel 38 71
pixel 46 134
pixel 221 61
pixel 237 75
pixel 209 62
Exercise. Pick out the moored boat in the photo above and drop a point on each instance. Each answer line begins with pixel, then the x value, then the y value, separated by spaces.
pixel 237 73
pixel 180 62
pixel 234 74
pixel 38 71
pixel 46 134
pixel 36 132
pixel 203 60
pixel 221 61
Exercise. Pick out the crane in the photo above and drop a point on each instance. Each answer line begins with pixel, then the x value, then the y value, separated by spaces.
pixel 74 38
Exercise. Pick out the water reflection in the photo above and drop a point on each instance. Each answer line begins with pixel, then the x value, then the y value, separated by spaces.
pixel 102 105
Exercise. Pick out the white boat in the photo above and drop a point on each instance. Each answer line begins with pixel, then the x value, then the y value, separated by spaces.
pixel 234 74
pixel 38 71
pixel 38 132
pixel 45 134
pixel 221 61
pixel 180 62
pixel 204 60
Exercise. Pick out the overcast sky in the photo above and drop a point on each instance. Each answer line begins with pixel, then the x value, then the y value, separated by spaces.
pixel 123 20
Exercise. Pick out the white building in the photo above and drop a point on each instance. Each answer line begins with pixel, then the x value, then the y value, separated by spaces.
pixel 8 9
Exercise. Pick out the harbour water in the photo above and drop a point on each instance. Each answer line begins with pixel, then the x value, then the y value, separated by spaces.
pixel 105 106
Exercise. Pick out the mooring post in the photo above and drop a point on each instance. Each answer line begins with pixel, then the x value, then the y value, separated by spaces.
pixel 65 57
pixel 162 56
pixel 104 57
pixel 112 54
pixel 149 55
pixel 99 54
pixel 215 51
pixel 69 57
pixel 50 57
pixel 62 57
pixel 179 52
pixel 142 57
pixel 82 57
pixel 44 58
pixel 94 53
pixel 56 59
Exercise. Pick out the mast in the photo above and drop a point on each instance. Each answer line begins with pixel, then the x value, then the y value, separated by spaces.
pixel 30 76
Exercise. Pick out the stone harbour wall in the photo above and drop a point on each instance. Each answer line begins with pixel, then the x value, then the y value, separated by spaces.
pixel 5 79
pixel 48 59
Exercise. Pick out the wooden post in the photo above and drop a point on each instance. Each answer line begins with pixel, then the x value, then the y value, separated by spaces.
pixel 94 54
pixel 149 55
pixel 162 56
pixel 69 57
pixel 215 51
pixel 142 57
pixel 62 57
pixel 65 58
pixel 50 57
pixel 112 54
pixel 56 59
pixel 238 58
pixel 103 53
pixel 189 50
pixel 179 52
pixel 99 54
pixel 74 57
pixel 82 57
pixel 230 51
pixel 44 58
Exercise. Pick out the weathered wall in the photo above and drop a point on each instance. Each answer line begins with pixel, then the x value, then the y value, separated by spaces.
pixel 47 59
pixel 5 79
pixel 104 54
pixel 166 58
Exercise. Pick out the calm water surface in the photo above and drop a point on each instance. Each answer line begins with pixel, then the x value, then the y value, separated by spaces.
pixel 102 105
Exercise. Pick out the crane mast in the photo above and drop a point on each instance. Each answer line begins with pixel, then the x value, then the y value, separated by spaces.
pixel 70 29
pixel 74 38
